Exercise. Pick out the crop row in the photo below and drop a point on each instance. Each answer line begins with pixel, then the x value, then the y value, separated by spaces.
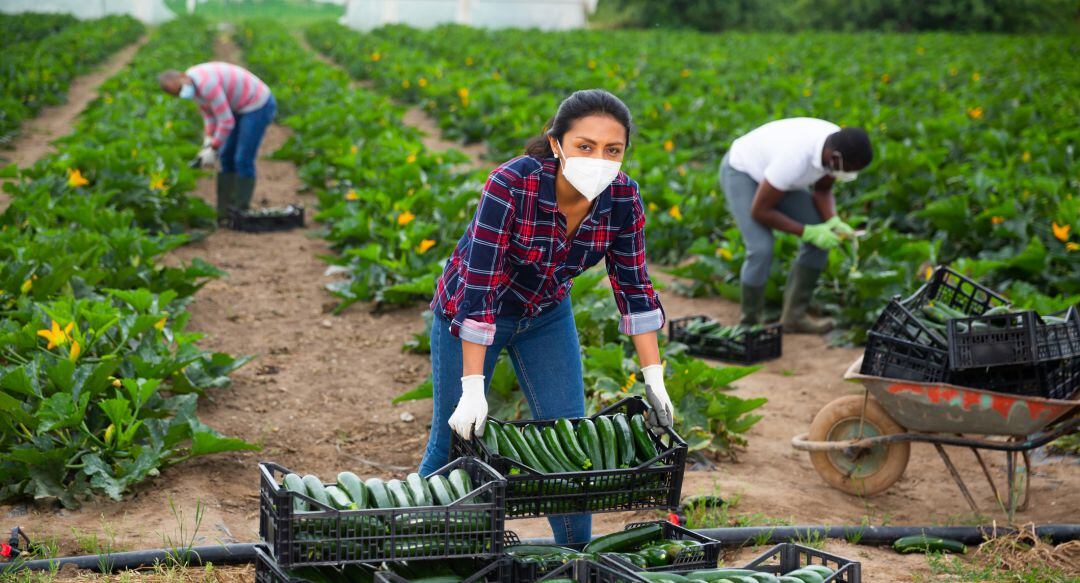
pixel 99 380
pixel 973 134
pixel 394 210
pixel 37 72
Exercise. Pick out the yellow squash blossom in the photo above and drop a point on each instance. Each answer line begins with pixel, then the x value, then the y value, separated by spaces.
pixel 76 179
pixel 351 195
pixel 630 380
pixel 410 159
pixel 675 213
pixel 885 78
pixel 653 207
pixel 425 245
pixel 26 286
pixel 1072 246
pixel 669 145
pixel 468 61
pixel 353 149
pixel 1061 232
pixel 975 112
pixel 1025 157
pixel 667 106
pixel 157 182
pixel 405 84
pixel 116 383
pixel 724 253
pixel 684 73
pixel 463 93
pixel 422 82
pixel 160 324
pixel 376 56
pixel 405 218
pixel 975 77
pixel 997 220
pixel 76 350
pixel 929 272
pixel 807 93
pixel 55 335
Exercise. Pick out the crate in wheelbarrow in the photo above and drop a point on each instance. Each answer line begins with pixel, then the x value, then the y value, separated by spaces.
pixel 1050 380
pixel 782 559
pixel 649 474
pixel 267 219
pixel 896 358
pixel 706 337
pixel 1013 338
pixel 654 546
pixel 302 531
pixel 461 570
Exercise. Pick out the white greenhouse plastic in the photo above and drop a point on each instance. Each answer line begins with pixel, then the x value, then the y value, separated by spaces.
pixel 149 11
pixel 542 14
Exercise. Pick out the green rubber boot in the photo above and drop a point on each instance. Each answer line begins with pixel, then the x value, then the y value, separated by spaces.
pixel 226 191
pixel 245 189
pixel 753 305
pixel 797 296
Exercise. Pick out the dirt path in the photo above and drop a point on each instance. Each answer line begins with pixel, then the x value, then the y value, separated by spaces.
pixel 36 134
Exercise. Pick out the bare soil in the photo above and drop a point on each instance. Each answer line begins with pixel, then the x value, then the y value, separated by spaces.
pixel 37 133
pixel 317 398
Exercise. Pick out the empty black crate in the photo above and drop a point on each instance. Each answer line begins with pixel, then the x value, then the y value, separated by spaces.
pixel 585 571
pixel 703 556
pixel 744 348
pixel 657 483
pixel 470 527
pixel 265 220
pixel 497 571
pixel 893 358
pixel 787 557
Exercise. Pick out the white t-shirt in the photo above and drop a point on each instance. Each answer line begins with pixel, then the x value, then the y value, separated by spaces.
pixel 786 152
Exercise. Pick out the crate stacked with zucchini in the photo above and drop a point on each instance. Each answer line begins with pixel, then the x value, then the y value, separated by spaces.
pixel 706 337
pixel 457 512
pixel 784 563
pixel 609 462
pixel 956 331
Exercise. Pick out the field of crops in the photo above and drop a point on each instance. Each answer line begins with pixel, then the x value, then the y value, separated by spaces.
pixel 974 163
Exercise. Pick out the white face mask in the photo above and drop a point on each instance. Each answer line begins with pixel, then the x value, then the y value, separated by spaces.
pixel 187 91
pixel 841 176
pixel 590 176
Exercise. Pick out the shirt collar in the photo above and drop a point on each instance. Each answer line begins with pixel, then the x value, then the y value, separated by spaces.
pixel 546 196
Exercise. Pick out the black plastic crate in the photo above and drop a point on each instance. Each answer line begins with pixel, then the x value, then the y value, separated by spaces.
pixel 704 556
pixel 1059 341
pixel 265 220
pixel 586 571
pixel 267 570
pixel 893 358
pixel 898 321
pixel 745 348
pixel 657 483
pixel 949 287
pixel 335 537
pixel 1015 338
pixel 1051 380
pixel 497 571
pixel 787 557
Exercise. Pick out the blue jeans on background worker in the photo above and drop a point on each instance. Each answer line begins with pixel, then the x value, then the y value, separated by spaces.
pixel 242 145
pixel 546 356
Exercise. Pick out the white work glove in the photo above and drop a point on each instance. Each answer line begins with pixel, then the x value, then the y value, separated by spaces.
pixel 207 141
pixel 662 412
pixel 207 157
pixel 472 409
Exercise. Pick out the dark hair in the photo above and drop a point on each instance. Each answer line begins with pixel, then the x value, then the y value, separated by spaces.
pixel 580 104
pixel 854 145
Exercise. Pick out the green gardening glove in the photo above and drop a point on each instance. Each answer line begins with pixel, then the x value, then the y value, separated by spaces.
pixel 820 236
pixel 839 227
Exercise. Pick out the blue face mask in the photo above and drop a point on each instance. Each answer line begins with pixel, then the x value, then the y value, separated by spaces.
pixel 187 91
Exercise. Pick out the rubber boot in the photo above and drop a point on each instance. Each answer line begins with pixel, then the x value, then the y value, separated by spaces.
pixel 800 290
pixel 226 191
pixel 245 189
pixel 753 305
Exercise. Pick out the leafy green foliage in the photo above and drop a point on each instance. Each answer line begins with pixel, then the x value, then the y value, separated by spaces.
pixel 99 381
pixel 36 72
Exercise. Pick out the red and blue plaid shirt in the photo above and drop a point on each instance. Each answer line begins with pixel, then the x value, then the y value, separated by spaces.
pixel 514 259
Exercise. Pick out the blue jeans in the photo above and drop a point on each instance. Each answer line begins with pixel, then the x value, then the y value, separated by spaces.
pixel 547 359
pixel 242 145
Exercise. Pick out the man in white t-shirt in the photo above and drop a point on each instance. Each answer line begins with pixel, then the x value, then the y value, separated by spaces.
pixel 780 177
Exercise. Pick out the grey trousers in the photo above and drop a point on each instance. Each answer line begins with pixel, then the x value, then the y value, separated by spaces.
pixel 739 189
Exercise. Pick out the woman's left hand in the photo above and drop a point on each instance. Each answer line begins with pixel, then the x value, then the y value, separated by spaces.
pixel 662 412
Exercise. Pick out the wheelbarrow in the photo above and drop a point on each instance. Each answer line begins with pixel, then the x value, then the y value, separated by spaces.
pixel 860 444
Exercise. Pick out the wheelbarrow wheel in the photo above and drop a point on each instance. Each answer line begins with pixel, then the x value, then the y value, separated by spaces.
pixel 868 471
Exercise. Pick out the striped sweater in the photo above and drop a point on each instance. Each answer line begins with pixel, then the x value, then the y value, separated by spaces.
pixel 222 90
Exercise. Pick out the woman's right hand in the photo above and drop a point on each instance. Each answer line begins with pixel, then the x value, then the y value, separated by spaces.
pixel 472 409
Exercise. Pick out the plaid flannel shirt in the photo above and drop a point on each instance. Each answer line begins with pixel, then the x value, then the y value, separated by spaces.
pixel 515 260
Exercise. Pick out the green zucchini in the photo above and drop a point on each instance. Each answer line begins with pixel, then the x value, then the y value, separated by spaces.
pixel 625 540
pixel 655 556
pixel 663 577
pixel 551 440
pixel 820 570
pixel 565 430
pixel 460 482
pixel 538 550
pixel 590 442
pixel 294 483
pixel 506 448
pixel 441 490
pixel 490 439
pixel 351 484
pixel 719 574
pixel 786 579
pixel 316 490
pixel 528 456
pixel 625 440
pixel 399 494
pixel 742 579
pixel 418 490
pixel 921 543
pixel 642 439
pixel 535 441
pixel 380 497
pixel 339 499
pixel 609 447
pixel 806 575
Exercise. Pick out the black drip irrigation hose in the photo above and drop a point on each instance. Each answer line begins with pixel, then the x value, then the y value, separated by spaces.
pixel 240 553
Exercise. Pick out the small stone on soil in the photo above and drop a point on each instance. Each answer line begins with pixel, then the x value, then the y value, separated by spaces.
pixel 407 417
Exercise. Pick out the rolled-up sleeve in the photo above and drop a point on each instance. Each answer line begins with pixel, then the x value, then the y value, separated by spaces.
pixel 482 267
pixel 634 294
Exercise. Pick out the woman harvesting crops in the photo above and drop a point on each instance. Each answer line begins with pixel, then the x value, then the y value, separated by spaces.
pixel 780 177
pixel 544 218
